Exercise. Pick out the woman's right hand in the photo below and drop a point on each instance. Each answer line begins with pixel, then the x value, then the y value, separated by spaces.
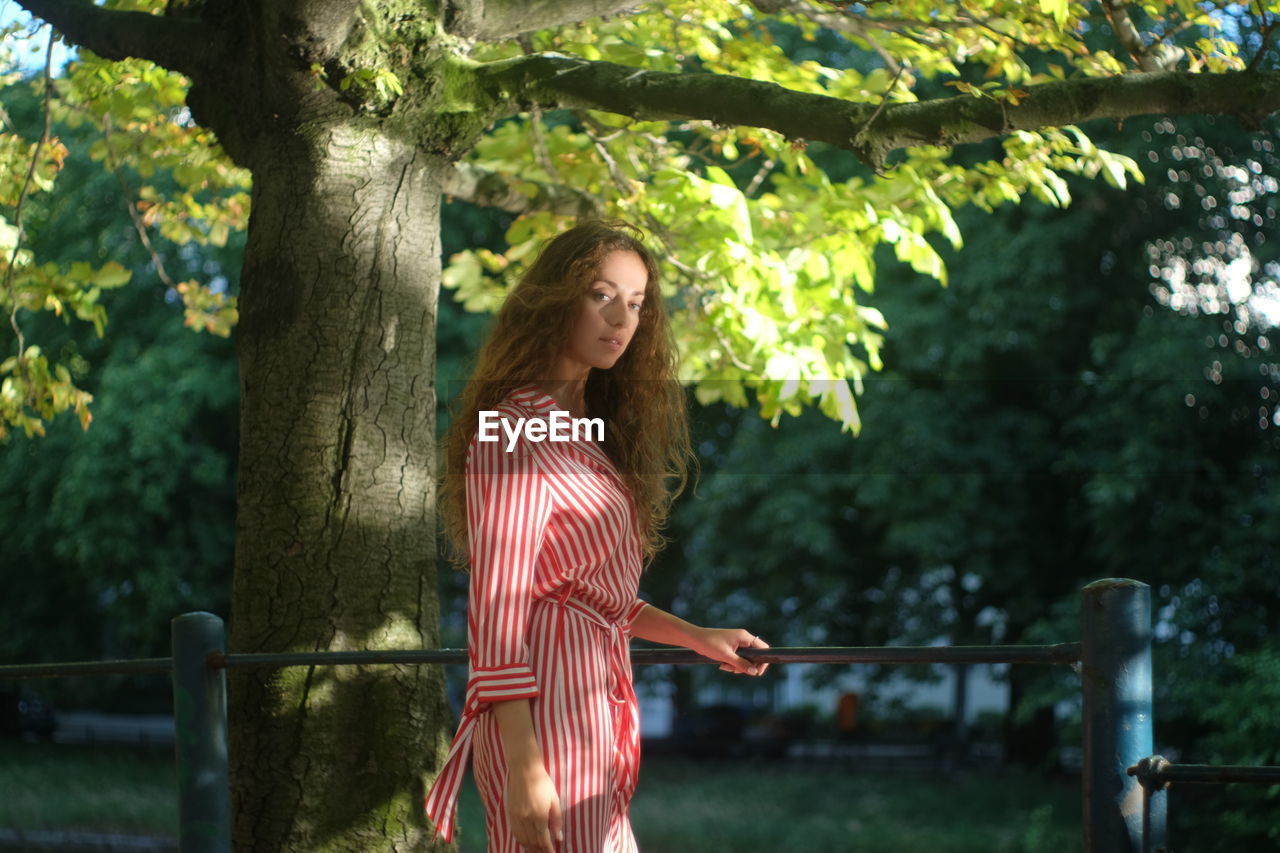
pixel 533 810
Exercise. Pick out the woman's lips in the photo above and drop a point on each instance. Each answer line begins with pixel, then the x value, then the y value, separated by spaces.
pixel 613 343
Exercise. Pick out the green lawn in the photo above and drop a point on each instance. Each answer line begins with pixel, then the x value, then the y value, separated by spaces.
pixel 690 807
pixel 680 806
pixel 100 788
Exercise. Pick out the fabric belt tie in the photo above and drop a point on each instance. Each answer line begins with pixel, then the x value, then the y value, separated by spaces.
pixel 442 801
pixel 622 695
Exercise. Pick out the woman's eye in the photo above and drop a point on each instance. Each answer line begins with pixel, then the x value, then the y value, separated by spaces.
pixel 636 306
pixel 600 294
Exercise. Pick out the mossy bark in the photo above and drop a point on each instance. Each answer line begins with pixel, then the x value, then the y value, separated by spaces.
pixel 336 533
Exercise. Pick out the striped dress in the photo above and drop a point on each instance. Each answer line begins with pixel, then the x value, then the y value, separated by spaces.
pixel 555 562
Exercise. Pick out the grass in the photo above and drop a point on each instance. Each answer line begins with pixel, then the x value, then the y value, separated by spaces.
pixel 97 788
pixel 680 805
pixel 684 805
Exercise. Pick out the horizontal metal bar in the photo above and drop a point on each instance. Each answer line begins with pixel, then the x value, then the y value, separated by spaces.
pixel 1062 653
pixel 1208 774
pixel 142 666
pixel 1155 771
pixel 368 656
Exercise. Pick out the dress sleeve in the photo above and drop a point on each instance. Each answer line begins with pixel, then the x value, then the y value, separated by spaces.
pixel 632 612
pixel 508 508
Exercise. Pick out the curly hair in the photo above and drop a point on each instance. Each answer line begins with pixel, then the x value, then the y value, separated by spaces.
pixel 639 398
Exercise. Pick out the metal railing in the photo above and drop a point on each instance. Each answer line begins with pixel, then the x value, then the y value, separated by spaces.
pixel 1113 659
pixel 1155 774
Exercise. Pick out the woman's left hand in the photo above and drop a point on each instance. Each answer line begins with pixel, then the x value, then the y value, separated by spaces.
pixel 722 644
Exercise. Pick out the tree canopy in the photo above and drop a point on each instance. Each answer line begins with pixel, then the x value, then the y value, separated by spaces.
pixel 780 152
pixel 689 118
pixel 1040 423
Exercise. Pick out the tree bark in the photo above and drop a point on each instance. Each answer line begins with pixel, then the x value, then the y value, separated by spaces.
pixel 494 20
pixel 336 534
pixel 179 44
pixel 491 189
pixel 872 131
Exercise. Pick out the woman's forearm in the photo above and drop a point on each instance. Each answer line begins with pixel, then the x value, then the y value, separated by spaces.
pixel 659 626
pixel 532 804
pixel 519 744
pixel 719 644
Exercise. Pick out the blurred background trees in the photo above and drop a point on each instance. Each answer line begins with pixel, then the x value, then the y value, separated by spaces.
pixel 109 532
pixel 1092 394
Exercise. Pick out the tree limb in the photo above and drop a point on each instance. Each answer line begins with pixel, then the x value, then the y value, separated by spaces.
pixel 1156 56
pixel 558 82
pixel 839 21
pixel 494 20
pixel 317 28
pixel 491 189
pixel 1266 28
pixel 179 44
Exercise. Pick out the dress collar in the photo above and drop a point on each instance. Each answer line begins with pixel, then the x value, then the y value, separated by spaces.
pixel 532 397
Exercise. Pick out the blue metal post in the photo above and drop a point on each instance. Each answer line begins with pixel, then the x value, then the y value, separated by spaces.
pixel 200 715
pixel 1116 683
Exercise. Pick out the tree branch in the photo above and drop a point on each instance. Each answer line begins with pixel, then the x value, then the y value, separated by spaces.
pixel 491 189
pixel 1157 56
pixel 558 82
pixel 1266 28
pixel 494 20
pixel 179 44
pixel 839 21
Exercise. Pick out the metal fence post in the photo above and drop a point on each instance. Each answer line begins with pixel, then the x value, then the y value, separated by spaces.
pixel 200 716
pixel 1116 684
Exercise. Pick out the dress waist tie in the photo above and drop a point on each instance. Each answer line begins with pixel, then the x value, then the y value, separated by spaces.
pixel 622 695
pixel 442 799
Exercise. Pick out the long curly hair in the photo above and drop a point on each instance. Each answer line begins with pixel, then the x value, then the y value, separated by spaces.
pixel 639 398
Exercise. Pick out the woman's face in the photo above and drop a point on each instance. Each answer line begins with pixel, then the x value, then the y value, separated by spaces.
pixel 610 312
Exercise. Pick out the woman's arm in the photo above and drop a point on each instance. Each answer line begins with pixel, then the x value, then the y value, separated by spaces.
pixel 508 508
pixel 533 807
pixel 722 644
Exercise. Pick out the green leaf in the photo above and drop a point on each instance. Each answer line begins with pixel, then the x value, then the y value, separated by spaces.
pixel 111 274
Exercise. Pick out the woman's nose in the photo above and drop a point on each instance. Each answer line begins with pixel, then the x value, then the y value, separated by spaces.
pixel 616 314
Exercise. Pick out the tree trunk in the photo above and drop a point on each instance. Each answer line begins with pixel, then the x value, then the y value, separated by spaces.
pixel 960 705
pixel 1032 743
pixel 336 529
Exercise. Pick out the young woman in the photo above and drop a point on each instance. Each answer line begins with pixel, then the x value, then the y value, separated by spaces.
pixel 557 532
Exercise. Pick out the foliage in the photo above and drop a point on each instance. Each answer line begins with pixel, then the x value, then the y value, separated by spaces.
pixel 773 256
pixel 1242 730
pixel 118 529
pixel 769 252
pixel 980 492
pixel 1054 416
pixel 177 186
pixel 114 531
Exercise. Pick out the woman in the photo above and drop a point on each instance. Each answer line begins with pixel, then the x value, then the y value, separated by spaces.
pixel 556 533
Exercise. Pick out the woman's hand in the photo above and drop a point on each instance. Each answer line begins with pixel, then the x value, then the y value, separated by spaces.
pixel 722 644
pixel 533 810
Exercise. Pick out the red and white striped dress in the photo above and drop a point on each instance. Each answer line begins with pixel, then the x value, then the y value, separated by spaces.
pixel 555 563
